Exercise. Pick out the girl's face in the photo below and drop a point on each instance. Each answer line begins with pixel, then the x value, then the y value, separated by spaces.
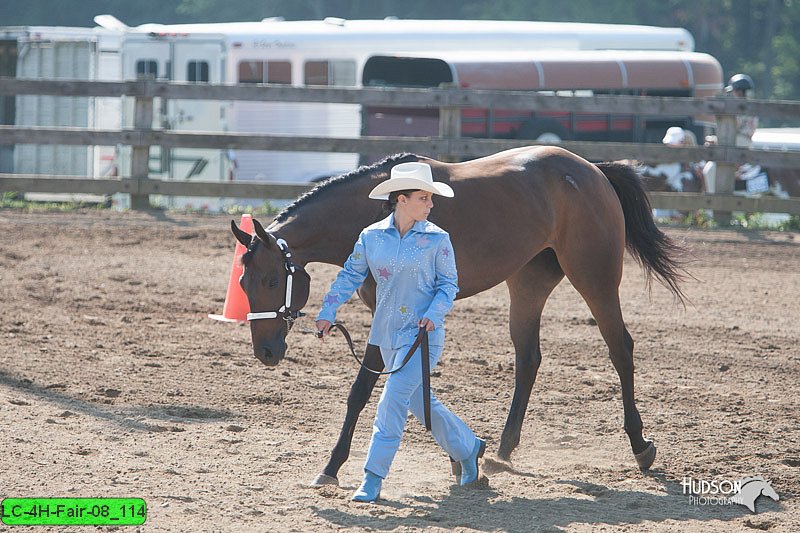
pixel 417 206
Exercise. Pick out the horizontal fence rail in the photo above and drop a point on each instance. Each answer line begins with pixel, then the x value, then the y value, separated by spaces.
pixel 652 153
pixel 431 97
pixel 83 185
pixel 278 191
pixel 691 201
pixel 448 145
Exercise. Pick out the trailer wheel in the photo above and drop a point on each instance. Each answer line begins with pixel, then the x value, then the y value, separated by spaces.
pixel 544 130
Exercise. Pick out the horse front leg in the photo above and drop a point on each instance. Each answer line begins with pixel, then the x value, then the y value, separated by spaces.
pixel 360 392
pixel 528 289
pixel 527 361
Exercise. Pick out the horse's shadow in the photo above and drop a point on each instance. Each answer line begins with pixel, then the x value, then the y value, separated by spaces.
pixel 128 417
pixel 486 510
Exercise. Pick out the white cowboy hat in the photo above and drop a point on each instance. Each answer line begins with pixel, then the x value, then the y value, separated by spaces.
pixel 410 176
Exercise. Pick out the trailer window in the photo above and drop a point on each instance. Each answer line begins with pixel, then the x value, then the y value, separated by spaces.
pixel 251 72
pixel 197 71
pixel 333 73
pixel 8 67
pixel 406 72
pixel 277 72
pixel 147 68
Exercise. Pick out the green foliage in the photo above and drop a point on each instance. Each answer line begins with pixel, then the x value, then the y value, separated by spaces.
pixel 265 210
pixel 610 11
pixel 757 221
pixel 14 200
pixel 793 224
pixel 746 221
pixel 700 219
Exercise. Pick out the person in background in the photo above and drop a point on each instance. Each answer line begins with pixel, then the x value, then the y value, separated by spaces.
pixel 739 86
pixel 674 175
pixel 679 176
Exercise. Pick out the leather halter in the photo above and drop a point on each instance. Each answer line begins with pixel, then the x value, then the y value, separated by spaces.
pixel 285 312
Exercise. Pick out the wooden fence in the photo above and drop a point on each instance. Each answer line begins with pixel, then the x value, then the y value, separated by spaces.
pixel 449 144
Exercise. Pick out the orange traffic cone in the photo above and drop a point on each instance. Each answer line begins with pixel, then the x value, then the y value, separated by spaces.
pixel 236 305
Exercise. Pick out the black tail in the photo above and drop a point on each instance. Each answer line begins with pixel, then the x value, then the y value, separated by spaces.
pixel 658 255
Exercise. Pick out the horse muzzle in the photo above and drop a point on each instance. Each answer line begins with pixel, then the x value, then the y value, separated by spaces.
pixel 271 353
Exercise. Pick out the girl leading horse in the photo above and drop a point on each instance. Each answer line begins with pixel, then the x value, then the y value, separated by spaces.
pixel 527 216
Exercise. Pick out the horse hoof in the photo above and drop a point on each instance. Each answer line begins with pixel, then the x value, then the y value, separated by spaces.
pixel 646 457
pixel 324 479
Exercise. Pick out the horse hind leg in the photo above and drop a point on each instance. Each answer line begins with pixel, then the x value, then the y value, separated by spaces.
pixel 620 345
pixel 528 289
pixel 598 283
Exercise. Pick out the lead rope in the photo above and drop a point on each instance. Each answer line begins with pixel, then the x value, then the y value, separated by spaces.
pixel 421 340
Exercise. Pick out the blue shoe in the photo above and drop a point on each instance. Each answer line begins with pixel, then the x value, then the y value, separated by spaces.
pixel 469 466
pixel 370 488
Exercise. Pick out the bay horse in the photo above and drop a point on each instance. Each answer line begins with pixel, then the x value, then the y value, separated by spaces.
pixel 527 216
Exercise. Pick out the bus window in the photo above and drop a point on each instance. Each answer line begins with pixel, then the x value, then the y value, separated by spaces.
pixel 278 72
pixel 197 71
pixel 332 73
pixel 147 68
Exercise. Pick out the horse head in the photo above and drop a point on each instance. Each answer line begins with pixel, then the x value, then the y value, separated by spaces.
pixel 276 288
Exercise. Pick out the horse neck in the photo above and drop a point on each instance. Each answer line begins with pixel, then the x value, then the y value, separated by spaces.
pixel 325 227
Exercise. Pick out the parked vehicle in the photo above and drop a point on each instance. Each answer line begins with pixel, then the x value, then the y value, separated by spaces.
pixel 581 73
pixel 44 52
pixel 330 52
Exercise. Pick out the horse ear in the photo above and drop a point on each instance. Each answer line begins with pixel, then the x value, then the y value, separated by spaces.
pixel 262 233
pixel 241 235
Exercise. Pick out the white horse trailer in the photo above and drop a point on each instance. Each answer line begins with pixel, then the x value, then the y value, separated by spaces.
pixel 329 52
pixel 60 53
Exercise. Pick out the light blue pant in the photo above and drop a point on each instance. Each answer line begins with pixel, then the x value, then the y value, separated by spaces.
pixel 403 392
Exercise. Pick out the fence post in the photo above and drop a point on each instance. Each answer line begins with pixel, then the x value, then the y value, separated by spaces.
pixel 726 172
pixel 140 155
pixel 449 125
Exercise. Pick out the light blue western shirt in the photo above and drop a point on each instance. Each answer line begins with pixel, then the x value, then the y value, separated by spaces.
pixel 416 278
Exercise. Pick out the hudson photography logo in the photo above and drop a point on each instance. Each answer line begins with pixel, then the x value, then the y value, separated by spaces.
pixel 743 491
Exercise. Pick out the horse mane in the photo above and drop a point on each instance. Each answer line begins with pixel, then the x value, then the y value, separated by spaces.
pixel 334 181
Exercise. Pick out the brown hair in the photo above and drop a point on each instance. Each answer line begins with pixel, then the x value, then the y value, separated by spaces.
pixel 391 203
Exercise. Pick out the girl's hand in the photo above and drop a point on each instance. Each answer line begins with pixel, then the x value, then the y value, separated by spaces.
pixel 323 328
pixel 427 324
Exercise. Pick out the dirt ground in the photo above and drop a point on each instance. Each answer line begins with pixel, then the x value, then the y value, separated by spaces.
pixel 113 382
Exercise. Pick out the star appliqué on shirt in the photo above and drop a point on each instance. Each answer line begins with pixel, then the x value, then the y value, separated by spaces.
pixel 384 272
pixel 356 255
pixel 331 299
pixel 403 309
pixel 446 252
